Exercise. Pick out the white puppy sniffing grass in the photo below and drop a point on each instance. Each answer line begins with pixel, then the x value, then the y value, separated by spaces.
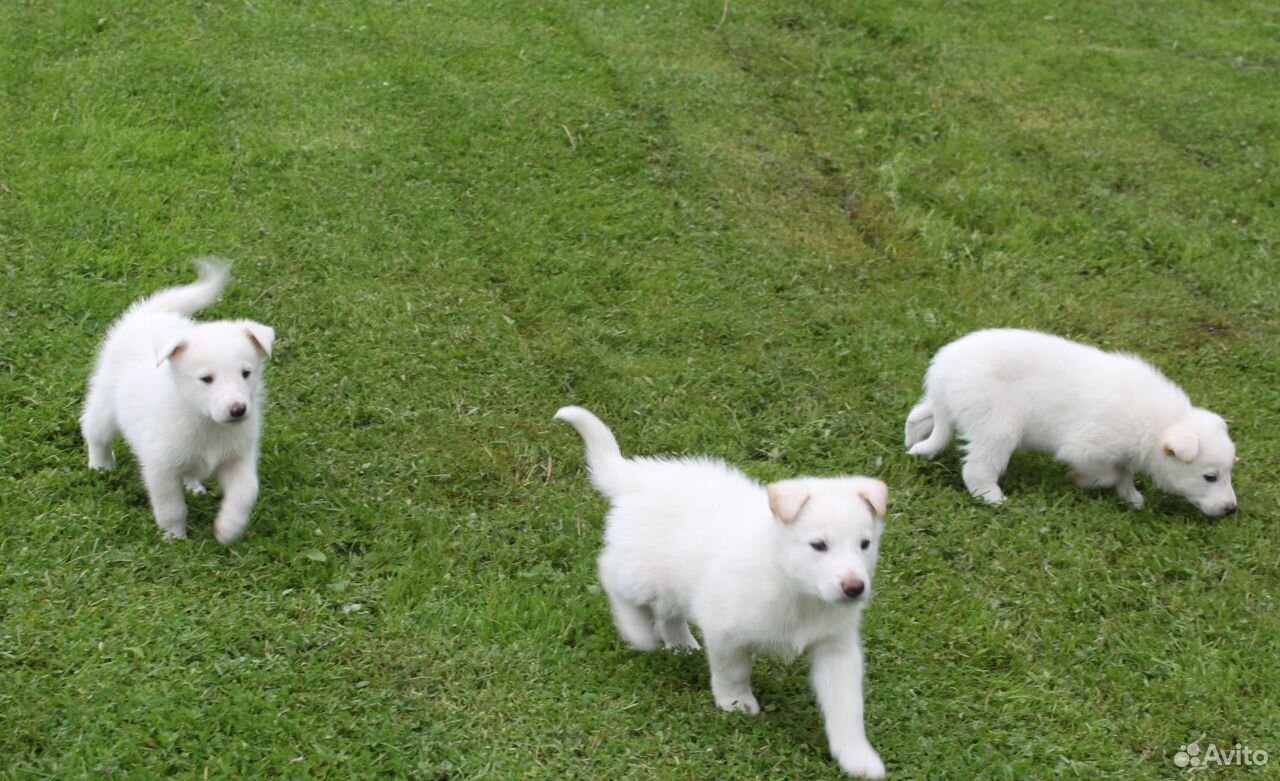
pixel 1107 415
pixel 187 397
pixel 784 569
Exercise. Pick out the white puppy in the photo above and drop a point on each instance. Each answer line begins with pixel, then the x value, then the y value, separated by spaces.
pixel 188 399
pixel 782 570
pixel 1107 415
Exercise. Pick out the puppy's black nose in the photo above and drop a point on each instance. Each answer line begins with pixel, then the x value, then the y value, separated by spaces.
pixel 237 410
pixel 852 587
pixel 1229 509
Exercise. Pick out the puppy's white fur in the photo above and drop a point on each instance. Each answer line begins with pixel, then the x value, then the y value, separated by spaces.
pixel 1107 415
pixel 188 399
pixel 784 570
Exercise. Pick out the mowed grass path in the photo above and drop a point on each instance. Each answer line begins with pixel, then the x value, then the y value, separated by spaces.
pixel 743 239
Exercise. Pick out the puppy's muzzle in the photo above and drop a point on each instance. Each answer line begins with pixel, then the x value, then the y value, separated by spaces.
pixel 237 410
pixel 853 587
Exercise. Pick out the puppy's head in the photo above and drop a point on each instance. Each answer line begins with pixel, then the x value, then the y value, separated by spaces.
pixel 830 533
pixel 217 367
pixel 1195 460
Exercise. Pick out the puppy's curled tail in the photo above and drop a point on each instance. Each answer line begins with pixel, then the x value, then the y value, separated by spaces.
pixel 603 454
pixel 186 299
pixel 927 433
pixel 919 423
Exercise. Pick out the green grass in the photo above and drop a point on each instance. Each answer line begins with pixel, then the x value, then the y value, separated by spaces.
pixel 746 242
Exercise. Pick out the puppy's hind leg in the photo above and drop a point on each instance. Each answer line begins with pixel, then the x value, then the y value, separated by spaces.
pixel 984 463
pixel 98 425
pixel 634 622
pixel 676 635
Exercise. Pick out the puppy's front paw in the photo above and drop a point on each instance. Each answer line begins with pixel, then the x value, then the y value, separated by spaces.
pixel 1133 498
pixel 859 760
pixel 174 533
pixel 746 703
pixel 227 532
pixel 992 495
pixel 102 459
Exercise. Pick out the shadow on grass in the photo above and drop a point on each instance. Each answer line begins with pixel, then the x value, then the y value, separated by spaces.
pixel 1031 473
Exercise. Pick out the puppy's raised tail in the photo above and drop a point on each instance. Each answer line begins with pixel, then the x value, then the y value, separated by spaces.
pixel 603 454
pixel 187 299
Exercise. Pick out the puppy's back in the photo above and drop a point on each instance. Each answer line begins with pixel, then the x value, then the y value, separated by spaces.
pixel 1042 380
pixel 679 517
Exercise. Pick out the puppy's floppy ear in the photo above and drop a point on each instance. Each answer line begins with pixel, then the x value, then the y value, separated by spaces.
pixel 875 493
pixel 787 498
pixel 168 346
pixel 1182 443
pixel 262 336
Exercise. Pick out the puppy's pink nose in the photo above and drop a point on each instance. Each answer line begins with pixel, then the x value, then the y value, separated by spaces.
pixel 1229 508
pixel 238 409
pixel 852 587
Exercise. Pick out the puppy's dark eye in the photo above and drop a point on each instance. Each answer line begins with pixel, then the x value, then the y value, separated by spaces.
pixel 866 544
pixel 207 379
pixel 819 546
pixel 1212 477
pixel 245 374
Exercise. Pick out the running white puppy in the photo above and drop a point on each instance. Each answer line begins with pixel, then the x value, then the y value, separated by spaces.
pixel 783 570
pixel 188 399
pixel 1107 415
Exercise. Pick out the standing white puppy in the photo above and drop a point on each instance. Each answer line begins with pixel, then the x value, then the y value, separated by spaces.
pixel 1107 415
pixel 784 570
pixel 188 399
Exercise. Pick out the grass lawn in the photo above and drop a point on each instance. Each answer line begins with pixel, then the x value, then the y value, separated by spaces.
pixel 741 237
